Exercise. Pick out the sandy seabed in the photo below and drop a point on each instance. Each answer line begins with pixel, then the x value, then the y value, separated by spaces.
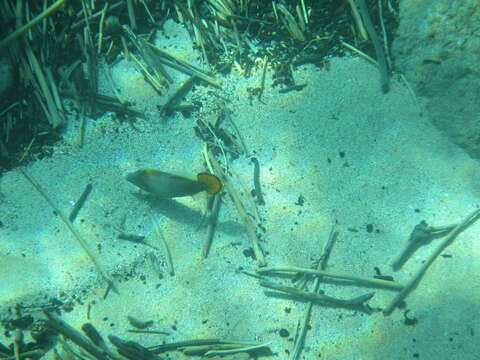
pixel 339 151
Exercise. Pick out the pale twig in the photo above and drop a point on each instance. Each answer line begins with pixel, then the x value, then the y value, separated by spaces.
pixel 304 11
pixel 410 90
pixel 55 117
pixel 262 81
pixel 70 226
pixel 301 20
pixel 27 150
pixel 238 133
pixel 248 196
pixel 168 254
pixel 384 34
pixel 100 30
pixel 422 234
pixel 147 10
pixel 183 345
pixel 181 65
pixel 10 107
pixel 291 25
pixel 321 273
pixel 54 88
pixel 212 222
pixel 322 264
pixel 97 14
pixel 377 44
pixel 316 297
pixel 151 79
pixel 55 323
pixel 156 70
pixel 275 12
pixel 199 41
pixel 359 52
pixel 358 20
pixel 412 284
pixel 206 158
pixel 217 142
pixel 110 81
pixel 20 31
pixel 237 350
pixel 131 14
pixel 249 227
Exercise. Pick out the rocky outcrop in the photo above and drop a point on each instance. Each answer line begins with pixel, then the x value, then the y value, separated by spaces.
pixel 437 47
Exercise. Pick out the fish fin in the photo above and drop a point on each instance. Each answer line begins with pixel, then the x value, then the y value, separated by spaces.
pixel 213 183
pixel 149 171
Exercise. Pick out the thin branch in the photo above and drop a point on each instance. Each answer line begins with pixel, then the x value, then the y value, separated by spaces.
pixel 19 32
pixel 363 281
pixel 168 254
pixel 412 284
pixel 74 231
pixel 257 250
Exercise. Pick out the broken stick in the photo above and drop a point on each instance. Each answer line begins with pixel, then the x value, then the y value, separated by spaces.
pixel 257 250
pixel 412 284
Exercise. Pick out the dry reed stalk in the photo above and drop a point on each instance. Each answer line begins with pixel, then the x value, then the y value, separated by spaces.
pixel 168 254
pixel 20 31
pixel 412 284
pixel 257 250
pixel 72 229
pixel 55 117
pixel 320 273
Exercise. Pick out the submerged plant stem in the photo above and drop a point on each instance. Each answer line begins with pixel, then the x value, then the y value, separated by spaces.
pixel 74 231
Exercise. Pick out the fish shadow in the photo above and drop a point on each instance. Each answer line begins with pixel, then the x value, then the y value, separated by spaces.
pixel 181 213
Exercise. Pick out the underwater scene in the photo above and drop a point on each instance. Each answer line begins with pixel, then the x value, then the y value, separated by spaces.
pixel 239 179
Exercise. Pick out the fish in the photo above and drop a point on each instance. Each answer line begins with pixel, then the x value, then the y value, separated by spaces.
pixel 165 185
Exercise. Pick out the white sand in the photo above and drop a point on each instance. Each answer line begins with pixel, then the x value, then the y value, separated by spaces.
pixel 394 162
